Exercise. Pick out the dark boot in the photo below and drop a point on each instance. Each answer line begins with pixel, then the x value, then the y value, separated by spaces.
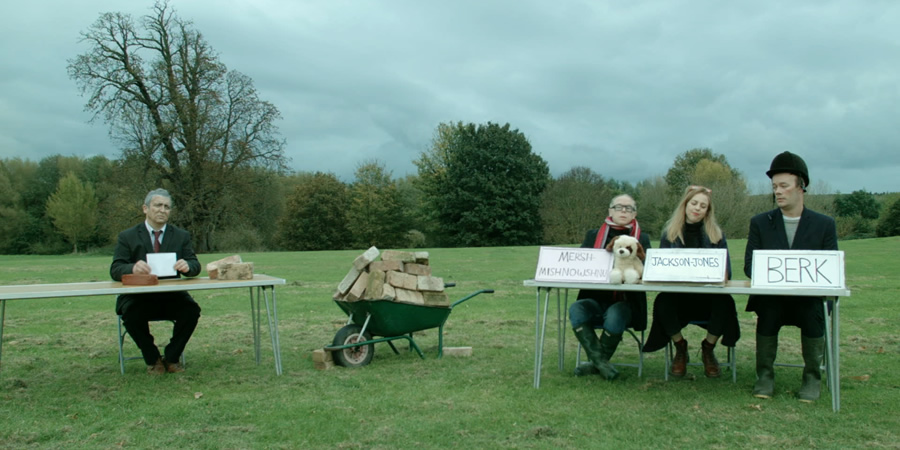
pixel 813 349
pixel 679 363
pixel 588 339
pixel 710 363
pixel 608 345
pixel 766 349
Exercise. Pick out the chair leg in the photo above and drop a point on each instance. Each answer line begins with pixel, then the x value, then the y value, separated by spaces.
pixel 121 339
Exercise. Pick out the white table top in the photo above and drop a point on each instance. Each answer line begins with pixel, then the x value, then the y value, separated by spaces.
pixel 26 291
pixel 734 287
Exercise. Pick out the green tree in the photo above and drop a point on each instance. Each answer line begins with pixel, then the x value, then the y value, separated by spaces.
pixel 73 208
pixel 889 225
pixel 177 111
pixel 315 214
pixel 729 195
pixel 483 185
pixel 858 203
pixel 376 216
pixel 654 206
pixel 573 203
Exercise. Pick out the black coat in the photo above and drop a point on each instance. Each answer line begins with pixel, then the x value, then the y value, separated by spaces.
pixel 814 232
pixel 134 244
pixel 637 301
pixel 658 338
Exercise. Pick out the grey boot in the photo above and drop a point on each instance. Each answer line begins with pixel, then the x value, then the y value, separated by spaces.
pixel 766 349
pixel 592 345
pixel 813 350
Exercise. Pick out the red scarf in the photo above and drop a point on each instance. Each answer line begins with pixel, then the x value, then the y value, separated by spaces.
pixel 604 231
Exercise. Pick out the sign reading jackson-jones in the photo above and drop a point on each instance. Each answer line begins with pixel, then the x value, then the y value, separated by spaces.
pixel 798 268
pixel 576 265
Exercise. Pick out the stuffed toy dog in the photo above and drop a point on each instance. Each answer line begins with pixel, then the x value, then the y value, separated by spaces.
pixel 628 257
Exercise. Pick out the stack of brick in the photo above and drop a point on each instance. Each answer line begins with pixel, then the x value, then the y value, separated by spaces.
pixel 398 276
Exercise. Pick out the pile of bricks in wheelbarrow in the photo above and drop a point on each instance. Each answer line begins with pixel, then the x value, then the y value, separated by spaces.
pixel 397 276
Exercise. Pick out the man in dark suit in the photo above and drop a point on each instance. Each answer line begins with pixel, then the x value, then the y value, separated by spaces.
pixel 791 226
pixel 154 235
pixel 611 310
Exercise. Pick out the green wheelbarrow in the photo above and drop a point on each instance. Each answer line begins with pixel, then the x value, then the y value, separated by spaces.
pixel 354 345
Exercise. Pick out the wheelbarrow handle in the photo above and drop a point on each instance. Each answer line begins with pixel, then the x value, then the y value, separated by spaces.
pixel 483 291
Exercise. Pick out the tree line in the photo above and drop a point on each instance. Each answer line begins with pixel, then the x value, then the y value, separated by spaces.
pixel 478 185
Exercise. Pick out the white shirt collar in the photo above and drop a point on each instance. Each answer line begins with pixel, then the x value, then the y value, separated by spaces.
pixel 150 229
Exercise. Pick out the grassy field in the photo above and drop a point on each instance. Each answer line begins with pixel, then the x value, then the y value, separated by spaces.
pixel 60 384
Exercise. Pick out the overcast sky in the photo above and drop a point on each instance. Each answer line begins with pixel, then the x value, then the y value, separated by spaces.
pixel 619 87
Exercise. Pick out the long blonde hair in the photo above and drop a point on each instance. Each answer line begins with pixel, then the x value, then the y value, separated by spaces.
pixel 675 225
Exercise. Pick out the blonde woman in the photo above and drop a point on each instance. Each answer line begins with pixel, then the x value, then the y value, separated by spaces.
pixel 693 225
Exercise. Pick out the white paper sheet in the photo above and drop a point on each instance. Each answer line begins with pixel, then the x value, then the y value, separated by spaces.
pixel 162 264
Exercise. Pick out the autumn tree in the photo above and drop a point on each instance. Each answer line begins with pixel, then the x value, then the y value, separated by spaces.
pixel 177 111
pixel 483 185
pixel 73 208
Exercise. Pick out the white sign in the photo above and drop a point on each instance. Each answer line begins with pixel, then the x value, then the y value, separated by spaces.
pixel 162 264
pixel 798 268
pixel 686 265
pixel 567 264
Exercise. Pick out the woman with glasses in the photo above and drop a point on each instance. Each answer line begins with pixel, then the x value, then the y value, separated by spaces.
pixel 693 225
pixel 609 310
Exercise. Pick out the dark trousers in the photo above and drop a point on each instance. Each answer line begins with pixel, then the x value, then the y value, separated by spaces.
pixel 675 310
pixel 773 312
pixel 138 310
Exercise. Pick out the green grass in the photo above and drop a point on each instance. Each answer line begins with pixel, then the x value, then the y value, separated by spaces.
pixel 60 384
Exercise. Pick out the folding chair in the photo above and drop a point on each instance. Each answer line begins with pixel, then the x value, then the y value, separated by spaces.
pixel 640 346
pixel 122 333
pixel 730 359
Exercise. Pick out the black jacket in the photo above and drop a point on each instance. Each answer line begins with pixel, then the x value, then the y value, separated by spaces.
pixel 814 232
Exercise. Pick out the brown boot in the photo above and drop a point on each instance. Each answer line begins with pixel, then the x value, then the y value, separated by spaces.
pixel 158 368
pixel 679 363
pixel 710 364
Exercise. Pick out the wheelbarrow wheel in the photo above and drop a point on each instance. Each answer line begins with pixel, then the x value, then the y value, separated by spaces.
pixel 353 356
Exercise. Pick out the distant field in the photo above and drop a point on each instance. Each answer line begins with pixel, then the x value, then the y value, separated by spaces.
pixel 60 384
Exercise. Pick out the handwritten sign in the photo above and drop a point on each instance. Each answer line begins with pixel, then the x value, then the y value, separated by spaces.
pixel 565 264
pixel 798 268
pixel 686 265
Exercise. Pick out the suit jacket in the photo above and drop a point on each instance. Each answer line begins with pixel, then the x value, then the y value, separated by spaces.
pixel 134 244
pixel 814 232
pixel 636 300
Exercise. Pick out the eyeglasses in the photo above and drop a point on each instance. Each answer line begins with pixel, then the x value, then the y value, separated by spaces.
pixel 626 208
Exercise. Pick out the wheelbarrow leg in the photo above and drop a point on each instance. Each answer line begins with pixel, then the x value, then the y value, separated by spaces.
pixel 396 352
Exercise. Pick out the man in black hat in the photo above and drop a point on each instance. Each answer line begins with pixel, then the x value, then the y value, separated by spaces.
pixel 791 226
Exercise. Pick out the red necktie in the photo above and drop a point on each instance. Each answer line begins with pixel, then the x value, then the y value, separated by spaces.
pixel 156 234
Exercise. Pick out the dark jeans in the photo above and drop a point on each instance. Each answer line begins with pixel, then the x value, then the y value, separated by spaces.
pixel 773 312
pixel 610 315
pixel 674 310
pixel 137 310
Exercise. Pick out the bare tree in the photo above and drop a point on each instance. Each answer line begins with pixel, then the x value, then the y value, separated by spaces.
pixel 177 110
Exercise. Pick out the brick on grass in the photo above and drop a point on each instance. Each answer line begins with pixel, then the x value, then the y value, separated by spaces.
pixel 457 351
pixel 386 266
pixel 324 365
pixel 348 280
pixel 402 280
pixel 359 288
pixel 408 296
pixel 436 298
pixel 375 288
pixel 367 257
pixel 429 283
pixel 416 269
pixel 396 255
pixel 321 355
